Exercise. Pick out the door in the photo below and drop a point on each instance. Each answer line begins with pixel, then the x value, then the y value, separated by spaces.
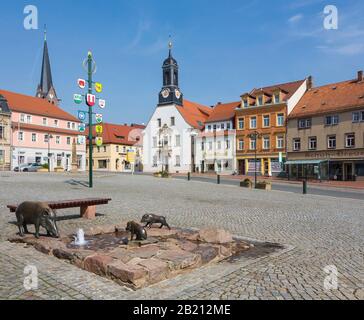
pixel 241 165
pixel 266 167
pixel 348 172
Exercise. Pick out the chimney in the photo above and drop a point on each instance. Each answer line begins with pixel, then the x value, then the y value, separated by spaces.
pixel 309 83
pixel 360 76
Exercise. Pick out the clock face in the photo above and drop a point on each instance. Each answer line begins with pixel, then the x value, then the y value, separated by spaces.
pixel 177 93
pixel 165 93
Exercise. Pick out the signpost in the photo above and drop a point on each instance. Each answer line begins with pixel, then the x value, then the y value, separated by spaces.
pixel 90 99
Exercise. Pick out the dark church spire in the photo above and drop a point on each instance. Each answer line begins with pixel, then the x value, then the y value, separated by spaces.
pixel 45 88
pixel 170 93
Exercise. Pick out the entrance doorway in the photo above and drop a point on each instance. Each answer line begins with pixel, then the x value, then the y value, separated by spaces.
pixel 266 167
pixel 241 166
pixel 348 172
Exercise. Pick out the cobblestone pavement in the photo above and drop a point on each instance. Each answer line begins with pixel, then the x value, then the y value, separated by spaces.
pixel 321 230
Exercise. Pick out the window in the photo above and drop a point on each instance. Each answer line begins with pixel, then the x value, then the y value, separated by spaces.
pixel 214 127
pixel 266 121
pixel 98 149
pixel 56 123
pixel 202 146
pixel 304 123
pixel 68 125
pixel 266 143
pixel 45 121
pixel 260 100
pixel 46 138
pixel 73 126
pixel 331 142
pixel 350 140
pixel 173 121
pixel 277 98
pixel 362 116
pixel 58 139
pixel 245 102
pixel 34 137
pixel 68 140
pixel 102 164
pixel 241 144
pixel 219 145
pixel 280 119
pixel 22 118
pixel 241 124
pixel 228 126
pixel 296 144
pixel 280 142
pixel 227 144
pixel 312 143
pixel 20 136
pixel 2 132
pixel 178 141
pixel 155 142
pixel 29 119
pixel 253 144
pixel 356 116
pixel 178 161
pixel 210 145
pixel 209 128
pixel 104 148
pixel 223 126
pixel 253 122
pixel 159 123
pixel 155 161
pixel 117 149
pixel 331 120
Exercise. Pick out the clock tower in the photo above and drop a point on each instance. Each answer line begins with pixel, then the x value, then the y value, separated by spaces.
pixel 170 93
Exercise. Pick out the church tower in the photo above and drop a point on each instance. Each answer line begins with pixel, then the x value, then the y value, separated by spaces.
pixel 170 93
pixel 45 88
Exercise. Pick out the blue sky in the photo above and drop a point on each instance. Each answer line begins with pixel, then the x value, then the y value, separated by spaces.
pixel 224 48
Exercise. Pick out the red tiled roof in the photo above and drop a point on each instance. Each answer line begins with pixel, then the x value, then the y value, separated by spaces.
pixel 223 111
pixel 120 134
pixel 288 89
pixel 330 98
pixel 194 114
pixel 36 106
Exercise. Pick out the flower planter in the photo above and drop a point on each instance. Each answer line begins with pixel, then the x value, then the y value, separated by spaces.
pixel 264 186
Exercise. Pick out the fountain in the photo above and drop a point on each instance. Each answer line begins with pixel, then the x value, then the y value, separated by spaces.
pixel 80 238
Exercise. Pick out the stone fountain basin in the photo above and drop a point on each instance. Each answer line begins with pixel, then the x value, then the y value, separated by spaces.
pixel 166 253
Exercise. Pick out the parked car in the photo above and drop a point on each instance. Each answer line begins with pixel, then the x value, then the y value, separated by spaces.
pixel 30 167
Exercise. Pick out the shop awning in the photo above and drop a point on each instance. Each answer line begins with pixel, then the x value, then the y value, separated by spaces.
pixel 305 162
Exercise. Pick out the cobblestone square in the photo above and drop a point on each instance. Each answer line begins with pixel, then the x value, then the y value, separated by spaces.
pixel 317 232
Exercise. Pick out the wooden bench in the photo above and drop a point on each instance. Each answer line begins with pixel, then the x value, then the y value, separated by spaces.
pixel 87 206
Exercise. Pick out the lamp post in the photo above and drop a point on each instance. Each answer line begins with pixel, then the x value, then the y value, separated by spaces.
pixel 49 151
pixel 255 135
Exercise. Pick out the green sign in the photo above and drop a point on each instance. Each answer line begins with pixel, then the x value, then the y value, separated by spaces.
pixel 98 118
pixel 82 127
pixel 77 98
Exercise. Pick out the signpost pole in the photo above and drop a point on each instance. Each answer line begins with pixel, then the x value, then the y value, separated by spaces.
pixel 90 149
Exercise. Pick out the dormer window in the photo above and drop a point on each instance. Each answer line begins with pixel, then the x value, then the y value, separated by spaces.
pixel 260 100
pixel 277 98
pixel 246 103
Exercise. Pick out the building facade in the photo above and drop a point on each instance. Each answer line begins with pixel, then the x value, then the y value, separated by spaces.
pixel 5 135
pixel 40 128
pixel 326 133
pixel 169 142
pixel 215 144
pixel 122 149
pixel 261 127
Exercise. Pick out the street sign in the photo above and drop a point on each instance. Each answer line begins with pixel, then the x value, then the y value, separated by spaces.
pixel 77 98
pixel 82 127
pixel 90 99
pixel 130 157
pixel 98 141
pixel 98 118
pixel 82 115
pixel 81 140
pixel 102 103
pixel 98 87
pixel 99 129
pixel 81 83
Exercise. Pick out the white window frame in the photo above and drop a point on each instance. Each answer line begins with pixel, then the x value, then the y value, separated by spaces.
pixel 34 135
pixel 265 140
pixel 280 116
pixel 265 117
pixel 20 136
pixel 58 139
pixel 241 144
pixel 252 142
pixel 278 139
pixel 241 123
pixel 331 138
pixel 296 142
pixel 349 137
pixel 311 141
pixel 251 121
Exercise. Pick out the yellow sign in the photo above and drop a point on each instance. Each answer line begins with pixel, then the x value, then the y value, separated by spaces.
pixel 99 141
pixel 130 157
pixel 99 129
pixel 98 87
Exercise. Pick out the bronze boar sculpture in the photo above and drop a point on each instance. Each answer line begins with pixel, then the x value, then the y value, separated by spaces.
pixel 39 214
pixel 151 219
pixel 137 230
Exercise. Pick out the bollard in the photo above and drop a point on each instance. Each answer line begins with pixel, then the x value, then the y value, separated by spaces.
pixel 218 179
pixel 189 176
pixel 304 186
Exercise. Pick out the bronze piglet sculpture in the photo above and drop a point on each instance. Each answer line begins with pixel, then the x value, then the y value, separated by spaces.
pixel 137 230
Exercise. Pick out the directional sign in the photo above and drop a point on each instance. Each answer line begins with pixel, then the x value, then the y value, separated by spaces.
pixel 98 141
pixel 98 118
pixel 82 127
pixel 98 87
pixel 130 157
pixel 77 98
pixel 90 99
pixel 81 140
pixel 82 115
pixel 99 129
pixel 102 103
pixel 81 83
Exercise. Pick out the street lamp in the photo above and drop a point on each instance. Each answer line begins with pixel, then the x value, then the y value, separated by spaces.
pixel 49 151
pixel 255 135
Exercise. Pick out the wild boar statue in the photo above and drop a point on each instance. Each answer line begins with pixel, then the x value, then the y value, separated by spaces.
pixel 151 219
pixel 39 214
pixel 137 230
